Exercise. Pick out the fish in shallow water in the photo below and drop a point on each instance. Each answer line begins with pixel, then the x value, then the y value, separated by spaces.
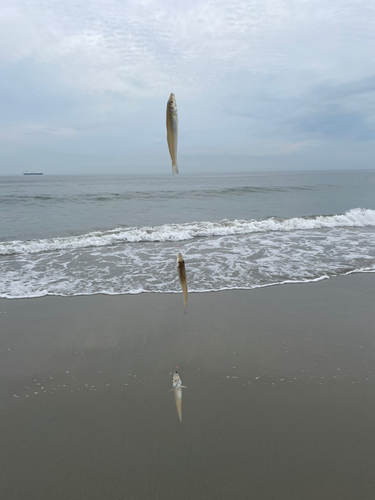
pixel 177 386
pixel 182 277
pixel 172 131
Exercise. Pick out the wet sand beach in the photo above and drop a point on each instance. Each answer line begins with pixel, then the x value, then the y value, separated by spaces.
pixel 280 401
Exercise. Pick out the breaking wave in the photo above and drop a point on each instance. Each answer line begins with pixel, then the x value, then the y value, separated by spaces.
pixel 357 217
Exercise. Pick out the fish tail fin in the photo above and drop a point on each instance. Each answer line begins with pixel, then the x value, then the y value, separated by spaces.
pixel 174 168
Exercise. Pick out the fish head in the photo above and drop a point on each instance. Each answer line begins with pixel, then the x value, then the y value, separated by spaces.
pixel 172 105
pixel 180 260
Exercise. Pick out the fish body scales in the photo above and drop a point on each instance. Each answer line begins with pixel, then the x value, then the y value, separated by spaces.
pixel 172 131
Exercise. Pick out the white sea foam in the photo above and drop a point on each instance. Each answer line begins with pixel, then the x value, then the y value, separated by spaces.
pixel 235 261
pixel 357 217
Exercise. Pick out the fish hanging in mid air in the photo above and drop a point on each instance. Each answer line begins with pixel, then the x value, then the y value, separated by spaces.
pixel 177 386
pixel 172 131
pixel 182 277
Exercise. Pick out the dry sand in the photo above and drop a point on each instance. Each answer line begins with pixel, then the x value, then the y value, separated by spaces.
pixel 280 401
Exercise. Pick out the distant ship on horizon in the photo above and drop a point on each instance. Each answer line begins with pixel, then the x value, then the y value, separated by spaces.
pixel 32 173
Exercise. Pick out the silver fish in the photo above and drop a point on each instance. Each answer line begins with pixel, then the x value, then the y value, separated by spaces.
pixel 177 386
pixel 172 131
pixel 182 277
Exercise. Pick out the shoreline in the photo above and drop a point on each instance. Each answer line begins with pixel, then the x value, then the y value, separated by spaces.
pixel 279 404
pixel 176 292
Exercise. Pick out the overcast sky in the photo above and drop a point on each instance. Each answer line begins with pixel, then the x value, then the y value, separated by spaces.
pixel 259 84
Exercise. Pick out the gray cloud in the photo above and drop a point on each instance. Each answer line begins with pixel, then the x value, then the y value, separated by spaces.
pixel 326 111
pixel 334 91
pixel 334 122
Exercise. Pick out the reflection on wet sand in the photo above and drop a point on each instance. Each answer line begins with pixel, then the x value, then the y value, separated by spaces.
pixel 177 386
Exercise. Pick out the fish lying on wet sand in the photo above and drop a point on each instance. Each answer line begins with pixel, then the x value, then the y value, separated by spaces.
pixel 172 131
pixel 177 386
pixel 182 277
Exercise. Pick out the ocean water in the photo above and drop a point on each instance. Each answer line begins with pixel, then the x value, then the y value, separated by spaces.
pixel 75 235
